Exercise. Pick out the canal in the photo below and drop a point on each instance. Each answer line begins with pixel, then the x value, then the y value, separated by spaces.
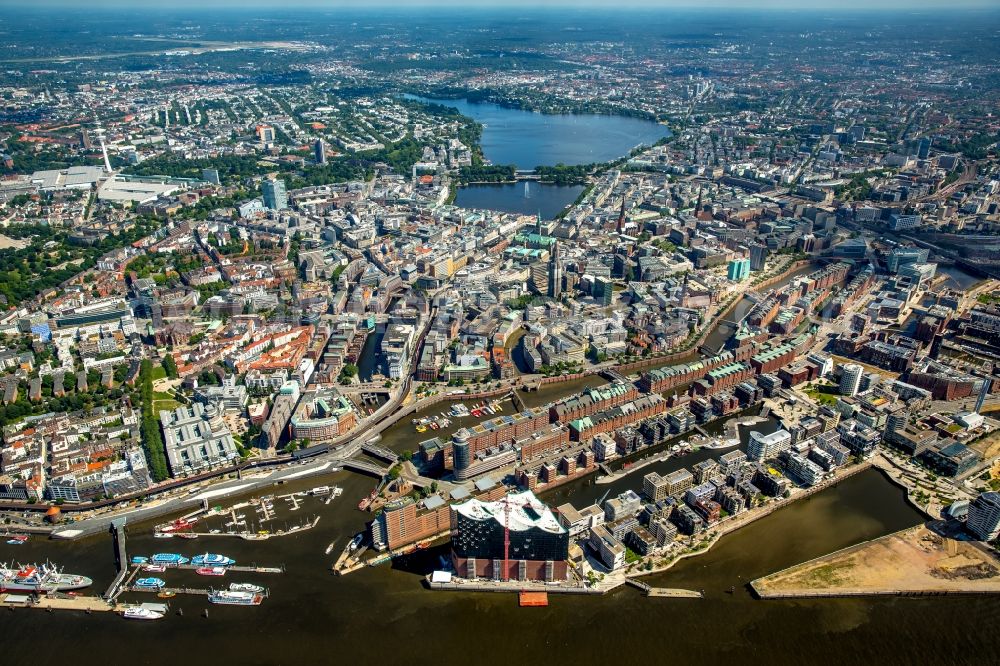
pixel 959 279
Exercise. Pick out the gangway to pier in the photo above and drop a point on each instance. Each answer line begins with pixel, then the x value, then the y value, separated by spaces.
pixel 121 557
pixel 638 584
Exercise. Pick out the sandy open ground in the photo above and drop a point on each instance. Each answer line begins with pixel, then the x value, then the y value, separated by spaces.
pixel 912 561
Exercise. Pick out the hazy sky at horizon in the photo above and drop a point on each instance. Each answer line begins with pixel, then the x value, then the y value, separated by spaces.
pixel 278 5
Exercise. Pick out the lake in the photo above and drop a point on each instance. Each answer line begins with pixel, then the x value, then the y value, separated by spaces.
pixel 526 197
pixel 529 139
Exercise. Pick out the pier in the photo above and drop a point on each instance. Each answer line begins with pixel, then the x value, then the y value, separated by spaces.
pixel 292 500
pixel 509 586
pixel 673 593
pixel 174 591
pixel 56 601
pixel 663 592
pixel 241 569
pixel 258 536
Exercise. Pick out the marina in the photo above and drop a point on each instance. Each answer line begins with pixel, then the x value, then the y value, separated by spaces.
pixel 236 523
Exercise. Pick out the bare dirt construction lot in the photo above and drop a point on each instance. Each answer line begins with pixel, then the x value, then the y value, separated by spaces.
pixel 988 447
pixel 916 560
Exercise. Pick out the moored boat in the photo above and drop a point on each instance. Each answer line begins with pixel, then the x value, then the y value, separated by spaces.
pixel 179 524
pixel 169 558
pixel 211 571
pixel 246 587
pixel 140 613
pixel 151 583
pixel 42 578
pixel 212 560
pixel 155 568
pixel 235 597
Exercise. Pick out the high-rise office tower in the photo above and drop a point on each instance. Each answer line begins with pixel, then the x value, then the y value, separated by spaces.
pixel 275 196
pixel 555 272
pixel 984 516
pixel 758 256
pixel 850 379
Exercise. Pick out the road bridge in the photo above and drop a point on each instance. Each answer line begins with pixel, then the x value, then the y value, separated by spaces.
pixel 379 452
pixel 364 467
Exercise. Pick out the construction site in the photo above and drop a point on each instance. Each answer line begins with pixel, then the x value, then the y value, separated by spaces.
pixel 920 561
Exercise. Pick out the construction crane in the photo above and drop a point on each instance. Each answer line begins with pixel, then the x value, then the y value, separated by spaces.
pixel 506 538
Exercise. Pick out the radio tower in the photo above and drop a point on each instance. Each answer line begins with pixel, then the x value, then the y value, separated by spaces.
pixel 99 131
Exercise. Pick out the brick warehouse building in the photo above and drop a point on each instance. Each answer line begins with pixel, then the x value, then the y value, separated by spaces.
pixel 616 417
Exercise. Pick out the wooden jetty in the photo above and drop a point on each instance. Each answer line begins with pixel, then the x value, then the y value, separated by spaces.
pixel 87 604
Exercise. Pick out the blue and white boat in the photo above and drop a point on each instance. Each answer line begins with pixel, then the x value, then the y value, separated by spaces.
pixel 140 559
pixel 212 560
pixel 169 558
pixel 235 597
pixel 154 583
